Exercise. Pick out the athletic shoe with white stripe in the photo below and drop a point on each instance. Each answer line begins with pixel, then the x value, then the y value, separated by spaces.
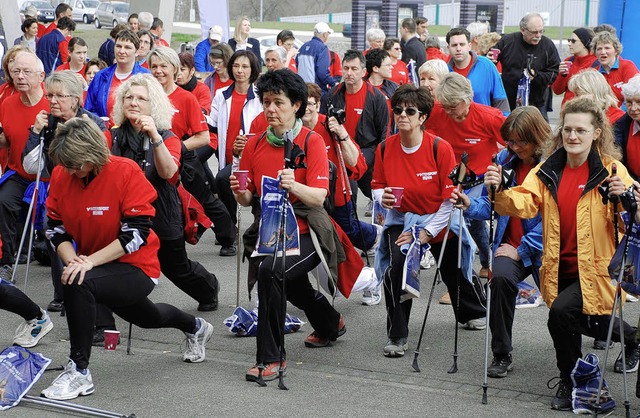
pixel 70 384
pixel 30 332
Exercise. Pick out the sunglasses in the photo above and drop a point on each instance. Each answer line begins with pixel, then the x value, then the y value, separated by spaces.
pixel 572 41
pixel 410 111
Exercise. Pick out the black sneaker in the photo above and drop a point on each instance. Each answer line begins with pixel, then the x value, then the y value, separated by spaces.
pixel 55 306
pixel 562 400
pixel 228 251
pixel 500 365
pixel 6 273
pixel 632 355
pixel 601 344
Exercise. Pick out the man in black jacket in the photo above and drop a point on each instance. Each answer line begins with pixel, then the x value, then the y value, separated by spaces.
pixel 412 48
pixel 529 50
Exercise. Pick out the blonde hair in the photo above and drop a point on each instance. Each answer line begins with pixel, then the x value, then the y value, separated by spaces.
pixel 487 41
pixel 11 55
pixel 592 82
pixel 168 55
pixel 605 144
pixel 237 35
pixel 453 89
pixel 606 38
pixel 77 142
pixel 161 108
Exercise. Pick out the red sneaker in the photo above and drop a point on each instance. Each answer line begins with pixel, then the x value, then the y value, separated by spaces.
pixel 315 341
pixel 270 371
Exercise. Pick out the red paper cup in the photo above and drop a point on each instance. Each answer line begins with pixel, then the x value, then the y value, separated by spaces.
pixel 568 64
pixel 397 193
pixel 242 177
pixel 111 339
pixel 496 53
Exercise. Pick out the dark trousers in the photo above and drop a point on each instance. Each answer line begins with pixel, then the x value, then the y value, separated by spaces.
pixel 124 289
pixel 320 313
pixel 364 183
pixel 567 324
pixel 56 273
pixel 361 234
pixel 195 182
pixel 204 153
pixel 507 273
pixel 189 276
pixel 11 194
pixel 472 297
pixel 223 185
pixel 14 300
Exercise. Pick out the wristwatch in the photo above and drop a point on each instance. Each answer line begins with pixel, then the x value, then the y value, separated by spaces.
pixel 157 144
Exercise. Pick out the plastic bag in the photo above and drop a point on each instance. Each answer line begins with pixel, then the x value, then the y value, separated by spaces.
pixel 631 274
pixel 19 370
pixel 585 378
pixel 524 88
pixel 528 296
pixel 270 216
pixel 244 323
pixel 411 270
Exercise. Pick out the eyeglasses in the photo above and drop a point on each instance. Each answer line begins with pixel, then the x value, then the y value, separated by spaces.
pixel 535 32
pixel 130 99
pixel 309 103
pixel 572 41
pixel 512 142
pixel 27 73
pixel 217 63
pixel 578 132
pixel 410 111
pixel 50 96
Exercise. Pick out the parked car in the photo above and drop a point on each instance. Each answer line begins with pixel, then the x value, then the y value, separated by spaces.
pixel 267 42
pixel 83 10
pixel 111 13
pixel 46 12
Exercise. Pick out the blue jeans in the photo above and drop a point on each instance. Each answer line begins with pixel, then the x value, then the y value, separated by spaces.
pixel 361 234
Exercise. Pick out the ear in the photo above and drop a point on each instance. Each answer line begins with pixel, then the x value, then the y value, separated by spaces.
pixel 596 133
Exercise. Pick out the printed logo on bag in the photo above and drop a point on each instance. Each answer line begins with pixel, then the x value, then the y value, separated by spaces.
pixel 427 175
pixel 98 210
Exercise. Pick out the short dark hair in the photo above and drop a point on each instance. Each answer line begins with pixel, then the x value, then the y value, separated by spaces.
pixel 27 23
pixel 456 32
pixel 409 24
pixel 157 23
pixel 374 58
pixel 186 59
pixel 353 54
pixel 314 91
pixel 132 16
pixel 62 8
pixel 286 82
pixel 76 41
pixel 420 20
pixel 66 23
pixel 408 94
pixel 284 36
pixel 97 62
pixel 389 42
pixel 129 35
pixel 117 29
pixel 253 62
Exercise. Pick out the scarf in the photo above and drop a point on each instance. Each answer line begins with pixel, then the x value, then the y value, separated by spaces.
pixel 191 84
pixel 279 142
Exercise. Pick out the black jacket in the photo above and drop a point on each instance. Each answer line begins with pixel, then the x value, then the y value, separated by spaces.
pixel 516 55
pixel 413 49
pixel 374 120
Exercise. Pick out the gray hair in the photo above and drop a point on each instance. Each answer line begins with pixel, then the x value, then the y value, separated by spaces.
pixel 375 34
pixel 145 19
pixel 161 108
pixel 39 65
pixel 435 67
pixel 280 51
pixel 631 88
pixel 524 22
pixel 166 54
pixel 68 80
pixel 453 89
pixel 432 42
pixel 77 142
pixel 477 29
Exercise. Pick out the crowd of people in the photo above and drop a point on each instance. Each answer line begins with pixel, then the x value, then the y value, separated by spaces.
pixel 124 136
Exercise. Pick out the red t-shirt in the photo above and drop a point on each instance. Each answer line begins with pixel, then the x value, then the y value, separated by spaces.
pixel 335 66
pixel 259 124
pixel 571 187
pixel 478 135
pixel 63 47
pixel 220 84
pixel 42 30
pixel 354 105
pixel 633 153
pixel 48 29
pixel 425 181
pixel 111 98
pixel 262 159
pixel 66 66
pixel 92 214
pixel 235 115
pixel 188 118
pixel 514 232
pixel 619 76
pixel 614 113
pixel 561 83
pixel 463 71
pixel 203 95
pixel 400 73
pixel 17 119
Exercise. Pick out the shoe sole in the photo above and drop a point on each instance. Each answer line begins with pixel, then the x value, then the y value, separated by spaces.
pixel 207 336
pixel 619 370
pixel 85 392
pixel 394 354
pixel 45 331
pixel 309 344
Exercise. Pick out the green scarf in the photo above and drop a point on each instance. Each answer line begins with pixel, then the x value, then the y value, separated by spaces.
pixel 279 142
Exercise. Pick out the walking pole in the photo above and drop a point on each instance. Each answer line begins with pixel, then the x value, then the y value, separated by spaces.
pixel 68 406
pixel 238 257
pixel 31 218
pixel 458 180
pixel 492 201
pixel 129 339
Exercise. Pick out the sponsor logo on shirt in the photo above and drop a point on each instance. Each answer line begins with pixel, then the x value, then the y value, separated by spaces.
pixel 580 186
pixel 427 175
pixel 472 141
pixel 358 111
pixel 322 178
pixel 97 210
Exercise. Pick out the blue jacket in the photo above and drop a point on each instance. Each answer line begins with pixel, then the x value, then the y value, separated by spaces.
pixel 313 64
pixel 49 50
pixel 201 57
pixel 530 248
pixel 486 82
pixel 98 92
pixel 107 51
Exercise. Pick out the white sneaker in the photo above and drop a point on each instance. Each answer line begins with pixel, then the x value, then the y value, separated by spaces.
pixel 29 333
pixel 477 324
pixel 372 296
pixel 427 260
pixel 195 351
pixel 631 299
pixel 70 384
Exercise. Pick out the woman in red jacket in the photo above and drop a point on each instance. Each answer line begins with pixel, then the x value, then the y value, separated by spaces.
pixel 581 58
pixel 615 69
pixel 188 81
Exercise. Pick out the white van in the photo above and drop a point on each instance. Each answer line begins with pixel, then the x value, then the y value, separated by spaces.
pixel 83 10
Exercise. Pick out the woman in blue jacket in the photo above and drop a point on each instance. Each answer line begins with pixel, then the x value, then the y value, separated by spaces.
pixel 517 246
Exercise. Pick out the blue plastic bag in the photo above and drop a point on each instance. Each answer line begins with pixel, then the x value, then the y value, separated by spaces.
pixel 271 203
pixel 411 270
pixel 19 370
pixel 244 323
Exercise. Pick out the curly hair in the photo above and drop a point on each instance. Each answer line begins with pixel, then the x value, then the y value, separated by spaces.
pixel 161 109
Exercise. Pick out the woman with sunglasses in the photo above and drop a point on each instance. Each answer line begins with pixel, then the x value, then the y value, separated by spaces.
pixel 517 246
pixel 580 59
pixel 577 233
pixel 412 159
pixel 399 72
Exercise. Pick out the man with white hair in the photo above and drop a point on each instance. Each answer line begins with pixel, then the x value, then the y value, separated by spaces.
pixel 476 30
pixel 313 59
pixel 275 58
pixel 146 20
pixel 201 57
